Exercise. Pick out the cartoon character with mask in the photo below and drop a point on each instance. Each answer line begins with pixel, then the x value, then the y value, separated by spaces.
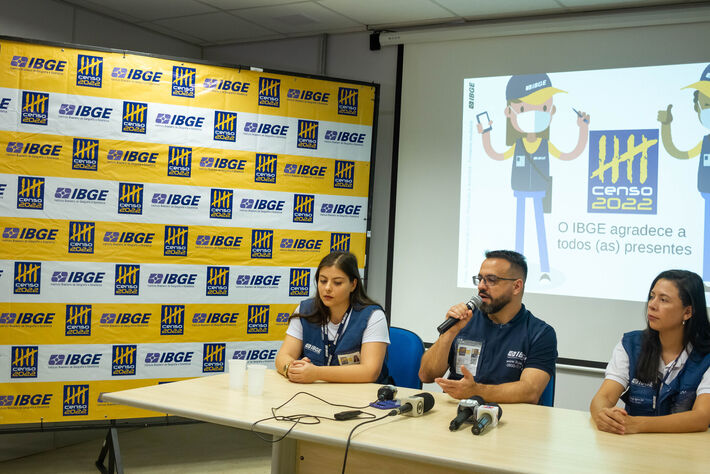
pixel 529 112
pixel 701 105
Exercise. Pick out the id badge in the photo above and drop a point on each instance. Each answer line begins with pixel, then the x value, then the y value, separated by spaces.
pixel 349 359
pixel 520 161
pixel 467 353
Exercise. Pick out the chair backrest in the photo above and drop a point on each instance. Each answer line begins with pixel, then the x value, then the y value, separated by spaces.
pixel 404 355
pixel 547 398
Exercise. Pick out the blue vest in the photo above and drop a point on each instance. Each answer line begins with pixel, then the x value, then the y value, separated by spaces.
pixel 525 176
pixel 349 341
pixel 704 166
pixel 676 397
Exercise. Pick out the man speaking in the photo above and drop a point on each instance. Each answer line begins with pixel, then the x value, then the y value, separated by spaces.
pixel 499 351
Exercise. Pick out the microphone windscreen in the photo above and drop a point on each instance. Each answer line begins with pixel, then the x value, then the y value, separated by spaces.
pixel 475 301
pixel 428 400
pixel 478 399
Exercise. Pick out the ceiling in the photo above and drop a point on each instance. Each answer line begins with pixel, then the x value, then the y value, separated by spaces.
pixel 216 22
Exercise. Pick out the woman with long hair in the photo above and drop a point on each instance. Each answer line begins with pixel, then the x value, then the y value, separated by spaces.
pixel 340 335
pixel 663 372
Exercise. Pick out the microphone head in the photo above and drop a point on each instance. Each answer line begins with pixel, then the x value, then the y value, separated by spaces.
pixel 386 392
pixel 428 400
pixel 475 301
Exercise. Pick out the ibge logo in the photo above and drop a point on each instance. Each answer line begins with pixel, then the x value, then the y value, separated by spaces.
pixel 262 243
pixel 134 157
pixel 303 207
pixel 265 169
pixel 305 171
pixel 165 280
pixel 125 320
pixel 183 81
pixel 225 86
pixel 347 101
pixel 172 319
pixel 307 134
pixel 35 108
pixel 179 161
pixel 221 201
pixel 187 122
pixel 231 165
pixel 175 241
pixel 135 117
pixel 78 320
pixel 304 95
pixel 225 126
pixel 130 198
pixel 38 64
pixel 136 75
pixel 299 282
pixel 89 71
pixel 76 400
pixel 34 150
pixel 273 206
pixel 217 281
pixel 215 319
pixel 30 234
pixel 623 171
pixel 85 154
pixel 23 363
pixel 338 209
pixel 123 359
pixel 269 92
pixel 27 319
pixel 69 278
pixel 219 241
pixel 28 276
pixel 81 195
pixel 258 319
pixel 258 281
pixel 81 237
pixel 339 242
pixel 85 112
pixel 213 357
pixel 265 355
pixel 344 176
pixel 127 279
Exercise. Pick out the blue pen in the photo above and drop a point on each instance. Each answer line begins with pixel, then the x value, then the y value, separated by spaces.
pixel 579 114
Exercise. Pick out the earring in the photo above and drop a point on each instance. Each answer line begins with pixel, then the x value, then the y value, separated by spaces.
pixel 685 321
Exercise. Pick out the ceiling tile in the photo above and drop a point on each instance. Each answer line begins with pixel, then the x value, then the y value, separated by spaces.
pixel 239 4
pixel 472 9
pixel 216 27
pixel 144 10
pixel 299 18
pixel 381 12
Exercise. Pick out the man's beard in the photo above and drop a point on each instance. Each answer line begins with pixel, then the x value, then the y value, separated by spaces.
pixel 495 305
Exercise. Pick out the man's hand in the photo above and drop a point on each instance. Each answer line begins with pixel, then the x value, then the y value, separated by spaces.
pixel 665 116
pixel 463 388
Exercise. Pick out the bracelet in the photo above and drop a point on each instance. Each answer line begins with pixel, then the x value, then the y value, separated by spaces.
pixel 285 373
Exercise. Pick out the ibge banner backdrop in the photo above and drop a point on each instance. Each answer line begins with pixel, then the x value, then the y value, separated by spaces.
pixel 158 218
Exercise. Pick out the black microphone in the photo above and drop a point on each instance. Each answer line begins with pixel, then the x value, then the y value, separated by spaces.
pixel 467 409
pixel 486 415
pixel 416 405
pixel 472 304
pixel 386 392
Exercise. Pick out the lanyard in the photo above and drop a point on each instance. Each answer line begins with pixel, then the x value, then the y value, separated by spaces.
pixel 327 343
pixel 665 377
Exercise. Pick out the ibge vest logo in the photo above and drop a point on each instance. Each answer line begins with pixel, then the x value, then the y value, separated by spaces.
pixel 135 117
pixel 179 161
pixel 269 92
pixel 307 134
pixel 258 319
pixel 127 279
pixel 213 357
pixel 89 71
pixel 339 242
pixel 265 169
pixel 35 108
pixel 172 319
pixel 23 362
pixel 344 176
pixel 221 202
pixel 347 101
pixel 81 237
pixel 299 282
pixel 183 81
pixel 262 243
pixel 78 320
pixel 76 400
pixel 130 198
pixel 623 171
pixel 225 126
pixel 175 241
pixel 303 207
pixel 217 281
pixel 85 154
pixel 123 359
pixel 28 276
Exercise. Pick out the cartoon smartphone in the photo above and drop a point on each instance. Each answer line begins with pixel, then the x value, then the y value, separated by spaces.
pixel 484 121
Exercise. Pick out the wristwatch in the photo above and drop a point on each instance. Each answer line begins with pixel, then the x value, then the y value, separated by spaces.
pixel 286 366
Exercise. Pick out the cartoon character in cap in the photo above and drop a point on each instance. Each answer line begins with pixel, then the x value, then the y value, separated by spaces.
pixel 529 112
pixel 701 105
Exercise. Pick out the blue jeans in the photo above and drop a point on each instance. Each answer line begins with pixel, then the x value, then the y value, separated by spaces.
pixel 537 197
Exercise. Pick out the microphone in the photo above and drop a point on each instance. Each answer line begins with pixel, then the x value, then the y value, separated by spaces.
pixel 386 392
pixel 466 409
pixel 486 415
pixel 472 304
pixel 416 405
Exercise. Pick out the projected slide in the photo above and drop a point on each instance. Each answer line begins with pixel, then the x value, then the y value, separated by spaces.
pixel 601 178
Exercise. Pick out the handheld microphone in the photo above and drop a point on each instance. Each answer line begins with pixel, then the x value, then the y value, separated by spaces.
pixel 486 415
pixel 472 304
pixel 386 392
pixel 416 405
pixel 466 409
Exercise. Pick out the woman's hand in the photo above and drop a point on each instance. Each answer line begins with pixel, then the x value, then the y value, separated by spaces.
pixel 302 371
pixel 613 420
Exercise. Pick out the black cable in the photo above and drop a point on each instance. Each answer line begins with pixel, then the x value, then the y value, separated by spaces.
pixel 347 445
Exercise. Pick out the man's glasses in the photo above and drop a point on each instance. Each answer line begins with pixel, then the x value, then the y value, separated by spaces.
pixel 489 280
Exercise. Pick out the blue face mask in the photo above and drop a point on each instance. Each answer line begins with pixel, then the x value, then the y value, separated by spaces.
pixel 534 121
pixel 705 117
